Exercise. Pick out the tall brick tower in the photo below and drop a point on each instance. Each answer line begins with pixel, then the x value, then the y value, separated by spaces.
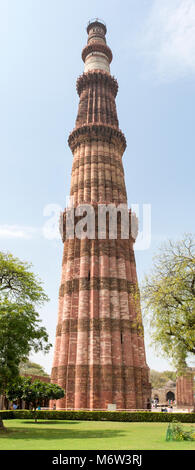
pixel 99 353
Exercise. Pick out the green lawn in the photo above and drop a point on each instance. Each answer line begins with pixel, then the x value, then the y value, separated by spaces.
pixel 86 435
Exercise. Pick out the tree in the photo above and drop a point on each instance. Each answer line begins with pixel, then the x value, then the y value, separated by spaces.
pixel 159 379
pixel 168 297
pixel 33 392
pixel 31 368
pixel 20 330
pixel 18 283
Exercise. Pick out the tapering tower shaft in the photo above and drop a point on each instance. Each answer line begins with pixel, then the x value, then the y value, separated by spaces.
pixel 99 353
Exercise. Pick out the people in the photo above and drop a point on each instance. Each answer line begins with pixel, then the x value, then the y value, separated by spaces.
pixel 54 406
pixel 164 409
pixel 170 409
pixel 15 406
pixel 38 408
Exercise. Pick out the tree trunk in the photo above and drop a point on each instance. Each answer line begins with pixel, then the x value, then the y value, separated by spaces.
pixel 35 415
pixel 2 427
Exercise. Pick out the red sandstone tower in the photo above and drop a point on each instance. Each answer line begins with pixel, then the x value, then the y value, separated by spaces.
pixel 99 353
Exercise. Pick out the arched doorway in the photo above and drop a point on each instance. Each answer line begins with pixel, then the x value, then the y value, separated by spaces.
pixel 170 396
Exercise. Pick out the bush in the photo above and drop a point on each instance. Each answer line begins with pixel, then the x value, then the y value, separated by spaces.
pixel 6 414
pixel 176 432
pixel 123 416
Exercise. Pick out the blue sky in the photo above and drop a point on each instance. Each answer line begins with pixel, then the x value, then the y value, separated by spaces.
pixel 153 45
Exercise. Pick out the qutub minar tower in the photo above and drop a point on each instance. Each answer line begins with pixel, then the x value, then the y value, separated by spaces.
pixel 99 356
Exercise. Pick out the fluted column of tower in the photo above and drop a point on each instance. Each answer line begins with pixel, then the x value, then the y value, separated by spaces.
pixel 99 353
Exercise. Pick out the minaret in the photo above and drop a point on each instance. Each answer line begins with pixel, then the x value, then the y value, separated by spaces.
pixel 99 355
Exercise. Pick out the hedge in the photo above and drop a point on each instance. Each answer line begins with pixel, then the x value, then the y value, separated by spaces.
pixel 124 416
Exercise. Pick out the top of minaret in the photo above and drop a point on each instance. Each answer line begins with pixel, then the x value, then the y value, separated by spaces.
pixel 99 25
pixel 96 55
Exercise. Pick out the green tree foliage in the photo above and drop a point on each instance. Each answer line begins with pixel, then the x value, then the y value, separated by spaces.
pixel 18 283
pixel 159 379
pixel 168 296
pixel 32 368
pixel 20 332
pixel 21 293
pixel 33 392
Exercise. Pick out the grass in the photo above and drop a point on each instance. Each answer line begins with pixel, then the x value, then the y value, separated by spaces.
pixel 87 435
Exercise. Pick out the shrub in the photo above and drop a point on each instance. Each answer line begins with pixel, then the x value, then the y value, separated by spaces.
pixel 123 416
pixel 6 414
pixel 176 432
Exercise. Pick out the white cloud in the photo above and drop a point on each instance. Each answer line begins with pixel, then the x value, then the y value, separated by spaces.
pixel 167 39
pixel 16 231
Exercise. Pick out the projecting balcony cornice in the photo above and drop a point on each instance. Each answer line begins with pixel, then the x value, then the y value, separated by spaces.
pixel 97 132
pixel 97 47
pixel 96 76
